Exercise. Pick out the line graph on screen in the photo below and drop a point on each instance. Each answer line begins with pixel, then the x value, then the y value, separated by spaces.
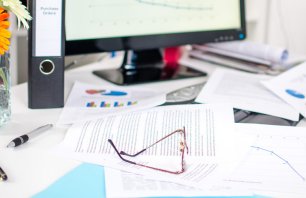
pixel 118 18
pixel 179 4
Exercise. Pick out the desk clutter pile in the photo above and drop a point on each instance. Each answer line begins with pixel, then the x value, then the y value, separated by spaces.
pixel 192 149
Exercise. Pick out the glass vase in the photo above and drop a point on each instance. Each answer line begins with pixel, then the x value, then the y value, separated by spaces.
pixel 5 86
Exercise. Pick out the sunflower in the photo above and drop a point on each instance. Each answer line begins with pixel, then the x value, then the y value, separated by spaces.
pixel 5 34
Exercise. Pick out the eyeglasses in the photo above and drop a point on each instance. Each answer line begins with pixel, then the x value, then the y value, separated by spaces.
pixel 182 146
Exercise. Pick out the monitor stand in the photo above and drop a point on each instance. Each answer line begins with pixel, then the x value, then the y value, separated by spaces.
pixel 146 66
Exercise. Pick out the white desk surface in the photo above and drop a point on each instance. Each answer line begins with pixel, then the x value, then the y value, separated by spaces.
pixel 30 167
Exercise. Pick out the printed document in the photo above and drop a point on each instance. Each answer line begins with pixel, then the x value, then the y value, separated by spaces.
pixel 291 87
pixel 210 137
pixel 275 165
pixel 245 91
pixel 87 101
pixel 124 184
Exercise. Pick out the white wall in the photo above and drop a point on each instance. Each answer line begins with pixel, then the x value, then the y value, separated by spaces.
pixel 18 52
pixel 287 25
pixel 256 16
pixel 278 23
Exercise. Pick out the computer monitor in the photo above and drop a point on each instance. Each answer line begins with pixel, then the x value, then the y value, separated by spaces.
pixel 142 28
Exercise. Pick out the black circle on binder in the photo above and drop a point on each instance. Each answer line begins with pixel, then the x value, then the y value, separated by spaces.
pixel 46 67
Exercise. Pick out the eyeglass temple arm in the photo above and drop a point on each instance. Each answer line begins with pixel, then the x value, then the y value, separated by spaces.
pixel 113 145
pixel 134 155
pixel 176 131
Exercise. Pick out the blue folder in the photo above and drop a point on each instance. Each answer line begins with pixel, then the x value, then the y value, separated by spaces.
pixel 86 180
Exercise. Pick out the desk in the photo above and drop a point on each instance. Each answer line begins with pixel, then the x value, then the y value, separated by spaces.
pixel 30 167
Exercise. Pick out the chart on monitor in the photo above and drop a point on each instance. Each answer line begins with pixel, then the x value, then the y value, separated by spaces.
pixel 147 17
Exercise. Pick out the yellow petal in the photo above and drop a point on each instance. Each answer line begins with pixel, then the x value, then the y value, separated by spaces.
pixel 4 24
pixel 2 51
pixel 4 46
pixel 4 41
pixel 5 33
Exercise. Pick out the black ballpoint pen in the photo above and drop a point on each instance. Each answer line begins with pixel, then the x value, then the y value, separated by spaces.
pixel 24 138
pixel 3 176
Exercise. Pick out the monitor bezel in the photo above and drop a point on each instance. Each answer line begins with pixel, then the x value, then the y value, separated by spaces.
pixel 156 41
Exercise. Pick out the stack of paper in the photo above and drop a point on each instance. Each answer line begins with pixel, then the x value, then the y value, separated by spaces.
pixel 274 166
pixel 213 151
pixel 224 158
pixel 244 55
pixel 254 52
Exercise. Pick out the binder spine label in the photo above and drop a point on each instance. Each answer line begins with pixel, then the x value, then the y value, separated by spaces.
pixel 48 37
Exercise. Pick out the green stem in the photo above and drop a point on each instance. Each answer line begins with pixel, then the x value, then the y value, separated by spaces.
pixel 3 77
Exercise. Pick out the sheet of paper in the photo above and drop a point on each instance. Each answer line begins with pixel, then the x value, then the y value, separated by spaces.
pixel 212 151
pixel 123 184
pixel 87 102
pixel 275 164
pixel 244 91
pixel 291 87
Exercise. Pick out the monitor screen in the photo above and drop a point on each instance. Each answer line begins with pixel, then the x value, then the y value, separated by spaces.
pixel 110 25
pixel 125 18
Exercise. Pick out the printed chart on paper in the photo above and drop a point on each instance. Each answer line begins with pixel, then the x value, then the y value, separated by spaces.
pixel 274 163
